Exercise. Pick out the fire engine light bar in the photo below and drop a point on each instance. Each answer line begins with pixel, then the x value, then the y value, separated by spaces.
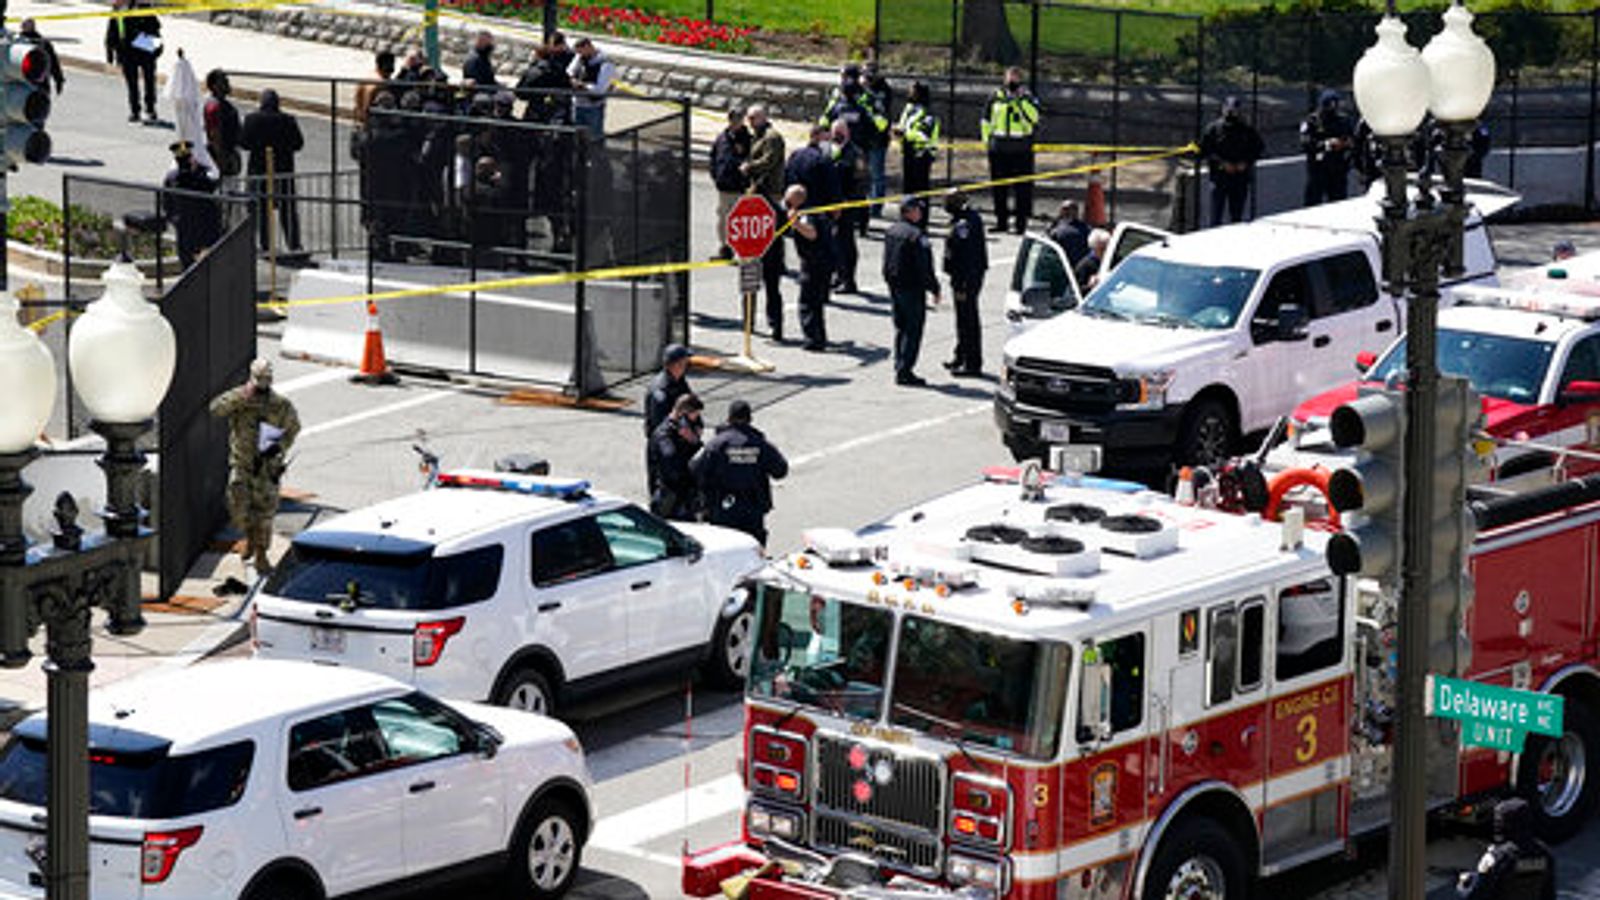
pixel 839 546
pixel 536 485
pixel 931 571
pixel 1571 298
pixel 1047 592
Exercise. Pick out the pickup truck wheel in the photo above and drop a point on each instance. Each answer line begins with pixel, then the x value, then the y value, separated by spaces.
pixel 1560 777
pixel 730 648
pixel 1207 436
pixel 1198 861
pixel 527 690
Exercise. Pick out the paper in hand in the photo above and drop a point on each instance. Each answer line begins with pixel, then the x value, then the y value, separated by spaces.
pixel 146 43
pixel 268 437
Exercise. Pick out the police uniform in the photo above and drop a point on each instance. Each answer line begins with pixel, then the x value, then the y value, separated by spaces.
pixel 262 426
pixel 816 269
pixel 1008 132
pixel 966 259
pixel 1231 147
pixel 197 219
pixel 734 471
pixel 850 165
pixel 1327 137
pixel 664 391
pixel 919 144
pixel 673 494
pixel 908 270
pixel 1517 866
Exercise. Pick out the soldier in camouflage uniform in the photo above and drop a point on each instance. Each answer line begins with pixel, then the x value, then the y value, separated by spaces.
pixel 261 429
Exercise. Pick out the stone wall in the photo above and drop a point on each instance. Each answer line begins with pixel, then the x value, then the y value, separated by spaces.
pixel 703 81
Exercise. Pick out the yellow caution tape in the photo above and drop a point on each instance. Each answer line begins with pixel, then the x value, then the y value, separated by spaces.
pixel 647 270
pixel 170 10
pixel 38 326
pixel 614 272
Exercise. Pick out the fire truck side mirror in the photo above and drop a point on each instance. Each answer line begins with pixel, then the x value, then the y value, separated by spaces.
pixel 1094 697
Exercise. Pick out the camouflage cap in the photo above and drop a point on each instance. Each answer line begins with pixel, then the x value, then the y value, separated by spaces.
pixel 261 372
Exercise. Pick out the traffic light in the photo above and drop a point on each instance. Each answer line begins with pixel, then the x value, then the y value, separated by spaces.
pixel 1457 417
pixel 25 101
pixel 1375 424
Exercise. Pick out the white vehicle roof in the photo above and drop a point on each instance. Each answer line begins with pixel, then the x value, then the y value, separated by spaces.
pixel 1196 554
pixel 1252 245
pixel 448 515
pixel 212 703
pixel 1517 323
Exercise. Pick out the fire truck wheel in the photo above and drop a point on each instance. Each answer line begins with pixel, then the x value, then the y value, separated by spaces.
pixel 1558 776
pixel 1197 861
pixel 730 648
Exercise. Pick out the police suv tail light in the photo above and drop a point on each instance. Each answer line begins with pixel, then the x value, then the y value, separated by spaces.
pixel 429 638
pixel 979 810
pixel 161 850
pixel 777 761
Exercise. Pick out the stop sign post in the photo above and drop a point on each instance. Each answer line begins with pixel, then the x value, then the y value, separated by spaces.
pixel 751 228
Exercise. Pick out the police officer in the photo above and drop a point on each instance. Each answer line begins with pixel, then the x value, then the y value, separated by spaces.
pixel 673 494
pixel 856 106
pixel 813 240
pixel 262 426
pixel 669 384
pixel 195 216
pixel 918 130
pixel 735 471
pixel 1327 138
pixel 908 270
pixel 1516 865
pixel 1231 147
pixel 1008 133
pixel 850 167
pixel 882 95
pixel 812 168
pixel 965 261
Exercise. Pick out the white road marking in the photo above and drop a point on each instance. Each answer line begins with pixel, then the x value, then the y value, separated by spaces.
pixel 626 832
pixel 392 408
pixel 875 437
pixel 311 380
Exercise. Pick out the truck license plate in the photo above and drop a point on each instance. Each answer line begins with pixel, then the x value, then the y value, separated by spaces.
pixel 327 640
pixel 1055 432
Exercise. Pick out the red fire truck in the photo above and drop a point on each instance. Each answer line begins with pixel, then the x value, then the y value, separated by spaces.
pixel 1075 688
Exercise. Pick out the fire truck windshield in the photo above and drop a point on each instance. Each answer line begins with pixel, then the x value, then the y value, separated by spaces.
pixel 980 688
pixel 821 652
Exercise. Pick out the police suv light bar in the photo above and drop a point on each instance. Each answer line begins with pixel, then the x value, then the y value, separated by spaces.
pixel 536 485
pixel 1573 299
pixel 839 546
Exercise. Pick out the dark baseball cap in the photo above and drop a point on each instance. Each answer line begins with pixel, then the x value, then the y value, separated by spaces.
pixel 739 411
pixel 674 352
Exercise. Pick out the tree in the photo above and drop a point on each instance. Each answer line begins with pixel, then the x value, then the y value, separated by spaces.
pixel 986 34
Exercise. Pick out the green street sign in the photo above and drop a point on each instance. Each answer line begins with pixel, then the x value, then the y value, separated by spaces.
pixel 1493 716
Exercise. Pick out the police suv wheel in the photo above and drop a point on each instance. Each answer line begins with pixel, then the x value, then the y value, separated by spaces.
pixel 1197 861
pixel 546 851
pixel 527 690
pixel 1558 776
pixel 730 648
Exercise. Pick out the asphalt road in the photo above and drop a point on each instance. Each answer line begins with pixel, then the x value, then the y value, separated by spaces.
pixel 859 448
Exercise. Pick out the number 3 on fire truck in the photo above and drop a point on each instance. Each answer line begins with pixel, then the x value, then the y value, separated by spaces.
pixel 1307 729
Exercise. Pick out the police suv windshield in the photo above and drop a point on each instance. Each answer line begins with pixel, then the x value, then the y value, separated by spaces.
pixel 950 681
pixel 1507 368
pixel 1178 295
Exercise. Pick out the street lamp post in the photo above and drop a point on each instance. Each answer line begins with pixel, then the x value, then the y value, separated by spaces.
pixel 122 354
pixel 1395 88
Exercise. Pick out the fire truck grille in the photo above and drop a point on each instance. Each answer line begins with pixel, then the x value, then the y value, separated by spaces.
pixel 883 786
pixel 915 853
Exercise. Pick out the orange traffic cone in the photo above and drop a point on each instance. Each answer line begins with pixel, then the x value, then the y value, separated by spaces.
pixel 374 367
pixel 1094 204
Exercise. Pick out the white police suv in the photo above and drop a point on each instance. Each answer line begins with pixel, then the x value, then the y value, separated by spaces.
pixel 520 589
pixel 268 780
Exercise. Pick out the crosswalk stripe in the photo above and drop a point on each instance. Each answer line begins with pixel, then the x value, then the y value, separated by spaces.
pixel 628 831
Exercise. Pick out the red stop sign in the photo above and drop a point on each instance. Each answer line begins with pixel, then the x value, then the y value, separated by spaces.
pixel 751 226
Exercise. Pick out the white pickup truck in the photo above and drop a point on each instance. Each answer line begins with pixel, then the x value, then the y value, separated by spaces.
pixel 1191 341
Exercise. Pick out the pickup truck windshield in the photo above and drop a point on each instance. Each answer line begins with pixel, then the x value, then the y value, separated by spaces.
pixel 980 688
pixel 1177 295
pixel 814 650
pixel 1506 368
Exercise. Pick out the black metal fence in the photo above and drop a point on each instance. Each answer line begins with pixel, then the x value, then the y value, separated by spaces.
pixel 212 311
pixel 1130 77
pixel 462 194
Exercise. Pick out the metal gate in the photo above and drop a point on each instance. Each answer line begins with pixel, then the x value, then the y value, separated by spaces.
pixel 213 313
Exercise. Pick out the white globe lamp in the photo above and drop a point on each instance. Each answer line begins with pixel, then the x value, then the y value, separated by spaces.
pixel 1461 69
pixel 1391 82
pixel 29 375
pixel 122 351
